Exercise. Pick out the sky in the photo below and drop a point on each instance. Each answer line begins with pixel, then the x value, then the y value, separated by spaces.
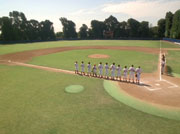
pixel 83 11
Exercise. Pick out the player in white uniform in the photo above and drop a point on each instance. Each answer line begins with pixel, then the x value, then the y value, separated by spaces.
pixel 100 67
pixel 118 72
pixel 125 71
pixel 94 70
pixel 131 73
pixel 138 74
pixel 107 71
pixel 162 66
pixel 89 69
pixel 76 67
pixel 163 62
pixel 82 68
pixel 113 68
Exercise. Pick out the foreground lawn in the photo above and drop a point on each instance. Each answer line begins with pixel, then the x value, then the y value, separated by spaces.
pixel 173 63
pixel 65 60
pixel 34 102
pixel 4 49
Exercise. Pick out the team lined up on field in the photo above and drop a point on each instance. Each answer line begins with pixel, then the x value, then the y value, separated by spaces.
pixel 92 71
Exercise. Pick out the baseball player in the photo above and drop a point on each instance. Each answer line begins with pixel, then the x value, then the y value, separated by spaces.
pixel 118 72
pixel 100 67
pixel 138 74
pixel 82 68
pixel 131 73
pixel 163 57
pixel 113 68
pixel 162 66
pixel 89 69
pixel 163 62
pixel 107 69
pixel 94 69
pixel 76 67
pixel 125 71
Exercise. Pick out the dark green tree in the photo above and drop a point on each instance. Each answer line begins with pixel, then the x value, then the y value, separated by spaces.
pixel 18 28
pixel 90 33
pixel 123 29
pixel 168 24
pixel 6 29
pixel 175 30
pixel 47 30
pixel 33 30
pixel 112 25
pixel 153 32
pixel 133 27
pixel 59 35
pixel 69 28
pixel 98 27
pixel 144 29
pixel 19 23
pixel 161 28
pixel 83 31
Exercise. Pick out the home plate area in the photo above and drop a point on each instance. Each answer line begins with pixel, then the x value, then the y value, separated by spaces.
pixel 154 85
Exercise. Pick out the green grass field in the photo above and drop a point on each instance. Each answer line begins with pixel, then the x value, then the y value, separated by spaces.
pixel 34 101
pixel 65 60
pixel 32 46
pixel 173 61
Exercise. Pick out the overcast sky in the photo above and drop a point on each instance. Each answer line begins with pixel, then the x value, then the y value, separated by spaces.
pixel 83 11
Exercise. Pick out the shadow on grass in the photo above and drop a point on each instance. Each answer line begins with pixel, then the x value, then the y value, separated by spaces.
pixel 169 71
pixel 128 82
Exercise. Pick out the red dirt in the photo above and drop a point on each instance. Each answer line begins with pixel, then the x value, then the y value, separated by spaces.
pixel 166 96
pixel 99 56
pixel 28 55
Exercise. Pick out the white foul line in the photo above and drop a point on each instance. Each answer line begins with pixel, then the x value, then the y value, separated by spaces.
pixel 163 80
pixel 173 85
pixel 160 77
pixel 152 89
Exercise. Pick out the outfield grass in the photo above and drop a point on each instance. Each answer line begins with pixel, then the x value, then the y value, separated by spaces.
pixel 166 44
pixel 173 61
pixel 4 49
pixel 34 102
pixel 65 60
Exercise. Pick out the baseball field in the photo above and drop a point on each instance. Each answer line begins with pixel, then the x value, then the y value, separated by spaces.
pixel 40 94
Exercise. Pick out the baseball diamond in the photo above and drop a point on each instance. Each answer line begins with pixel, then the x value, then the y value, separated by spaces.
pixel 90 67
pixel 42 83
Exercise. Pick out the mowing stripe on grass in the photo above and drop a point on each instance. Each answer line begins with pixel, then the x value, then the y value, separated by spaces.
pixel 118 94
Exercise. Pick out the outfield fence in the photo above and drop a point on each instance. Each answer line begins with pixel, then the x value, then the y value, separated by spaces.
pixel 172 40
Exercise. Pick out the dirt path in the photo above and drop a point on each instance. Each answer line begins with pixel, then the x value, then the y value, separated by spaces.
pixel 28 55
pixel 151 90
pixel 175 49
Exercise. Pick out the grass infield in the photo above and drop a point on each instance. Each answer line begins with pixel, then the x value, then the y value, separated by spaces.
pixel 66 60
pixel 173 63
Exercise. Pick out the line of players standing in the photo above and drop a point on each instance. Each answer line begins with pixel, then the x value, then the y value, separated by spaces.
pixel 92 71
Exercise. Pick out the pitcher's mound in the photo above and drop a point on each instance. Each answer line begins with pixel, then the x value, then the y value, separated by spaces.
pixel 98 56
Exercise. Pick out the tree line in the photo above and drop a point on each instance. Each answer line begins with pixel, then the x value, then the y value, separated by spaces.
pixel 16 27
